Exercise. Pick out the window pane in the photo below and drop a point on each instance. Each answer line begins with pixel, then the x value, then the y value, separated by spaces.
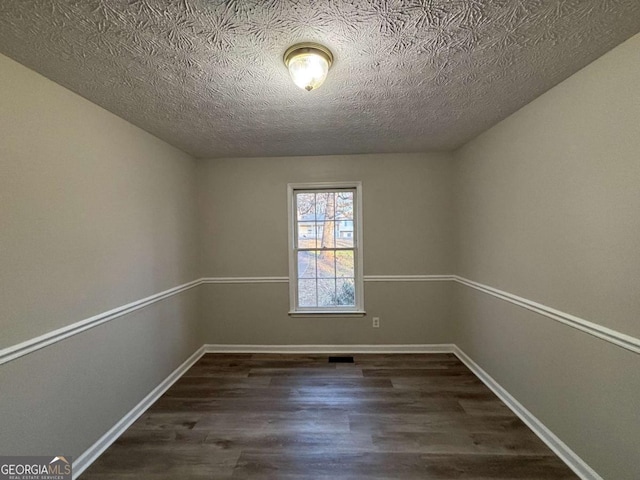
pixel 325 206
pixel 307 293
pixel 326 292
pixel 321 205
pixel 344 206
pixel 344 233
pixel 327 237
pixel 345 292
pixel 306 206
pixel 326 264
pixel 307 264
pixel 344 264
pixel 307 233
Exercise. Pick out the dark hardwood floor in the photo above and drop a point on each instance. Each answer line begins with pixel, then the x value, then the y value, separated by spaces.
pixel 300 417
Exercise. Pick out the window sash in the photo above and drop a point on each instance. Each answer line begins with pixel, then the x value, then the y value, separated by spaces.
pixel 354 239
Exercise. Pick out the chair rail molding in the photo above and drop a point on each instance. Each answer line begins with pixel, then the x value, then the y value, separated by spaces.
pixel 26 347
pixel 29 346
pixel 612 336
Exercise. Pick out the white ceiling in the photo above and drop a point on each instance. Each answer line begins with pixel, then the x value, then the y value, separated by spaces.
pixel 409 75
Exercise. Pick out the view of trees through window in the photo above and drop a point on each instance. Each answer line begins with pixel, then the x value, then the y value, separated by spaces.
pixel 325 239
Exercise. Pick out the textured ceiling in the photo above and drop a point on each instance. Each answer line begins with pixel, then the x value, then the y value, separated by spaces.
pixel 409 75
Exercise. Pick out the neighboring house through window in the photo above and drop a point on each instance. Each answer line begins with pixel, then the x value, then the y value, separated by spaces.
pixel 325 248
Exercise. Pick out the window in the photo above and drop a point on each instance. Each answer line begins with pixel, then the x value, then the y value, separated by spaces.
pixel 325 248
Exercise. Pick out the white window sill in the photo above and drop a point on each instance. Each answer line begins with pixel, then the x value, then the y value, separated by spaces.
pixel 325 313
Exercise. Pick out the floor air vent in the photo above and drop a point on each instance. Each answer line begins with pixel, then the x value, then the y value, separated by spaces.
pixel 340 359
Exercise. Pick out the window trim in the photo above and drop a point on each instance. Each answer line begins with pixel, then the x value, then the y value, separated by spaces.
pixel 341 310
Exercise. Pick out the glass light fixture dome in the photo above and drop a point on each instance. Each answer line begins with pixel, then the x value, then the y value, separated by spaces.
pixel 308 64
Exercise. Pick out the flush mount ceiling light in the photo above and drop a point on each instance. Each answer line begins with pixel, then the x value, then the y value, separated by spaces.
pixel 308 64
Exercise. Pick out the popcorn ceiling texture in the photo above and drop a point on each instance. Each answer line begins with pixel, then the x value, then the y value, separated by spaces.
pixel 207 76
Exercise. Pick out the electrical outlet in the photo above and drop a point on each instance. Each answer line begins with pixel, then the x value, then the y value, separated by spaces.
pixel 376 322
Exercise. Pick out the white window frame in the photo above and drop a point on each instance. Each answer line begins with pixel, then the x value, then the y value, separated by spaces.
pixel 340 310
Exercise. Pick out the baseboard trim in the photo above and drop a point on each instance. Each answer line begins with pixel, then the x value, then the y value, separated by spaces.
pixel 91 454
pixel 568 456
pixel 573 461
pixel 29 346
pixel 417 348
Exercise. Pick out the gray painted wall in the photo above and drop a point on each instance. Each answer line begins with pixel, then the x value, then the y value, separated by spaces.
pixel 548 206
pixel 407 230
pixel 95 214
pixel 410 313
pixel 64 397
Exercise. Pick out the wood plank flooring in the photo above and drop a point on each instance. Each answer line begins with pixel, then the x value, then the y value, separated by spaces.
pixel 296 417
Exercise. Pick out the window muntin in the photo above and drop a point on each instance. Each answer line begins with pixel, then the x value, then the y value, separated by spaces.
pixel 325 265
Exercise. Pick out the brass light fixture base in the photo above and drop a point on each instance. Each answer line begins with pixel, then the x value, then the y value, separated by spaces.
pixel 308 47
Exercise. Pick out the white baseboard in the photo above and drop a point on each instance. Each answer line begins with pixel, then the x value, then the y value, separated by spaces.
pixel 90 455
pixel 568 456
pixel 418 348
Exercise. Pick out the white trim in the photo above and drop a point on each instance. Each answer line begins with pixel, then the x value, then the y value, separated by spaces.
pixel 245 280
pixel 291 245
pixel 417 348
pixel 612 336
pixel 561 449
pixel 328 313
pixel 104 442
pixel 367 278
pixel 29 346
pixel 408 278
pixel 356 186
pixel 620 339
pixel 16 351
